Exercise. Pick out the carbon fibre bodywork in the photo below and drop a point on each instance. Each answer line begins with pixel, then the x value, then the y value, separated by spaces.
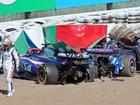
pixel 67 65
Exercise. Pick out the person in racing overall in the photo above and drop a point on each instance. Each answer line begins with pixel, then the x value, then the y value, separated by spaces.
pixel 10 63
pixel 1 54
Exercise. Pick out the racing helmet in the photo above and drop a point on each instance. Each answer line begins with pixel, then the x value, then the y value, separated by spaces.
pixel 7 43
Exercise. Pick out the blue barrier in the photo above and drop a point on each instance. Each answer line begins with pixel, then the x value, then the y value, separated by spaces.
pixel 76 3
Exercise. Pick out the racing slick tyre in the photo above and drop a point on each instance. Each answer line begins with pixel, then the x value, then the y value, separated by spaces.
pixel 129 63
pixel 47 74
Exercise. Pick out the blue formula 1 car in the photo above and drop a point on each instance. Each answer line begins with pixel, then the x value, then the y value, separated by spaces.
pixel 51 66
pixel 114 59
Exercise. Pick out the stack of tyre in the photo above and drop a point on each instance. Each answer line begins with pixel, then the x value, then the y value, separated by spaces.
pixel 105 19
pixel 120 17
pixel 134 17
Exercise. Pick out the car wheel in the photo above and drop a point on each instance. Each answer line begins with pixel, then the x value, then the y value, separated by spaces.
pixel 129 63
pixel 42 75
pixel 47 74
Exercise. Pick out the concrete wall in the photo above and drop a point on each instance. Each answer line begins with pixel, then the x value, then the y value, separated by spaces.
pixel 38 14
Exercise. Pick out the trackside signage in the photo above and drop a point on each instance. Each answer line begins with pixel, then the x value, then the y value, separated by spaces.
pixel 76 3
pixel 16 6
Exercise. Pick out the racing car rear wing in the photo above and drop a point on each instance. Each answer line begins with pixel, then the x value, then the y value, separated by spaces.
pixel 72 55
pixel 98 50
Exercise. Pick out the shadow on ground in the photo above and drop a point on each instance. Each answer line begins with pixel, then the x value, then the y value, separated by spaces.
pixel 3 92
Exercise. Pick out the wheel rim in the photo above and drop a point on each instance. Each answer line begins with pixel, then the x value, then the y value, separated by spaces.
pixel 133 66
pixel 42 74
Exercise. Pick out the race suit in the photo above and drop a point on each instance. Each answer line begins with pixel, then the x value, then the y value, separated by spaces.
pixel 10 61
